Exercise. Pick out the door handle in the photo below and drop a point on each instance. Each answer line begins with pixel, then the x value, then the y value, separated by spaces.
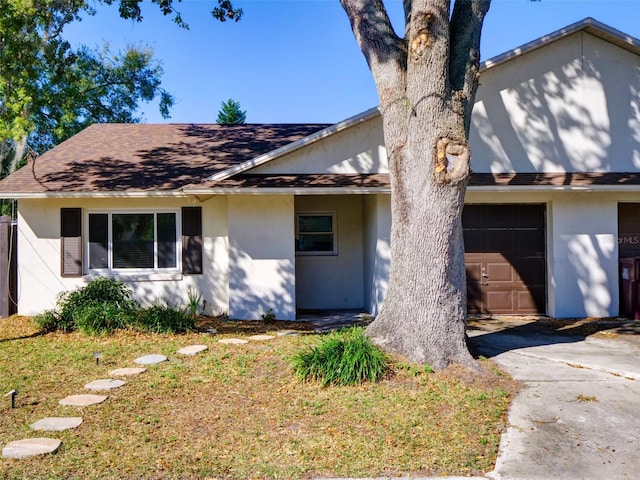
pixel 485 277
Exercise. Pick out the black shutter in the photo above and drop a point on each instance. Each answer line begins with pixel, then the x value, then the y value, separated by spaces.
pixel 71 242
pixel 192 240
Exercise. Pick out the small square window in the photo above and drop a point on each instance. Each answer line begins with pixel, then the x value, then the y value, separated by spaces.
pixel 315 234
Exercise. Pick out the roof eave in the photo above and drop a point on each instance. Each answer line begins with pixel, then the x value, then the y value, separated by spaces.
pixel 588 24
pixel 288 191
pixel 106 194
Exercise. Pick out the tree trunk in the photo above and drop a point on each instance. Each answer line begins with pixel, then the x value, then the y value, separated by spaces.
pixel 426 82
pixel 423 317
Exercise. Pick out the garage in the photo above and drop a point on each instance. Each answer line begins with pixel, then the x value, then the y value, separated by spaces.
pixel 505 259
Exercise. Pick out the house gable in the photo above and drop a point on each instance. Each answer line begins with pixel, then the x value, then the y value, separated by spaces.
pixel 571 105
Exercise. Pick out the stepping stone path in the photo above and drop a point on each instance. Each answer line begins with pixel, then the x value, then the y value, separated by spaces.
pixel 233 341
pixel 260 338
pixel 82 400
pixel 150 359
pixel 40 446
pixel 30 447
pixel 125 372
pixel 192 349
pixel 56 424
pixel 104 384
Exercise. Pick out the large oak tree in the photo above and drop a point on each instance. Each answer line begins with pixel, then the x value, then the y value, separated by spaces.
pixel 426 80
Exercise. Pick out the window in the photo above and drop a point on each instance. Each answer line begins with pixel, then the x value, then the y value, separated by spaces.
pixel 316 234
pixel 133 241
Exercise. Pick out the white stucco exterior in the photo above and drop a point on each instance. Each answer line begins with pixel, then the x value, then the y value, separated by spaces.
pixel 261 256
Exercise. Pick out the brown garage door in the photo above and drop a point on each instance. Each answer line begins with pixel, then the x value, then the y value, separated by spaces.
pixel 505 258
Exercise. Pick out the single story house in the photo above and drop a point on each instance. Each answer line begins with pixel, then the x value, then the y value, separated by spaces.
pixel 297 217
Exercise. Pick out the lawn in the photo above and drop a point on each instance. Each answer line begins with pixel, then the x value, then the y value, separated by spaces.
pixel 236 411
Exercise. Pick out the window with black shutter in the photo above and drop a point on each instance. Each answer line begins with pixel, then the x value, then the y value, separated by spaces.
pixel 71 242
pixel 192 240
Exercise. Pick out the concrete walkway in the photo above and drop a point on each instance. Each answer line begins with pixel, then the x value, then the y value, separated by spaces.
pixel 578 414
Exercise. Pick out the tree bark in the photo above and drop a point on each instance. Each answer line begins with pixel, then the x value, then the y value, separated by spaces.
pixel 426 83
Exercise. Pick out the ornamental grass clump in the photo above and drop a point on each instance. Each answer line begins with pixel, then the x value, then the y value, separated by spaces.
pixel 161 318
pixel 346 357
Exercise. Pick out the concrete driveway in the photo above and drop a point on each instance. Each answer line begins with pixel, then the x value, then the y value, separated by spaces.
pixel 578 414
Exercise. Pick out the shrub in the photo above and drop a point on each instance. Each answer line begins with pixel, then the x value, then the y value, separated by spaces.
pixel 48 321
pixel 101 318
pixel 165 319
pixel 101 306
pixel 343 358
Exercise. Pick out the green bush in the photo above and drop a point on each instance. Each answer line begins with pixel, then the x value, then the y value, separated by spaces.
pixel 101 306
pixel 165 319
pixel 346 357
pixel 49 321
pixel 101 318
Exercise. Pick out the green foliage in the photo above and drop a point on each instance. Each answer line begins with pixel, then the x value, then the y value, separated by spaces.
pixel 165 319
pixel 194 301
pixel 101 306
pixel 268 316
pixel 49 321
pixel 102 318
pixel 346 357
pixel 231 114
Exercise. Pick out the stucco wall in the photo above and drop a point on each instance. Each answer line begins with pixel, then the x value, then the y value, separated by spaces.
pixel 334 281
pixel 572 106
pixel 261 256
pixel 40 282
pixel 358 149
pixel 377 250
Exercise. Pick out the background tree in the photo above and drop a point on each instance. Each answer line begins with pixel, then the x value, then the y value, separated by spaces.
pixel 426 80
pixel 49 91
pixel 230 113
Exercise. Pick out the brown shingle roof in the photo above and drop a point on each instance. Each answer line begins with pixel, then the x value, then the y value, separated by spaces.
pixel 246 180
pixel 143 157
pixel 554 179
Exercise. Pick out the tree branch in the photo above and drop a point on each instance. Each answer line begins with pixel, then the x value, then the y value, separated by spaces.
pixel 464 61
pixel 384 51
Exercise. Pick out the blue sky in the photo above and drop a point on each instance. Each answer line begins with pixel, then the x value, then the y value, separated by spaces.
pixel 296 61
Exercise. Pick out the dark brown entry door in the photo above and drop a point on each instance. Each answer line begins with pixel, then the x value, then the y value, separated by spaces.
pixel 505 259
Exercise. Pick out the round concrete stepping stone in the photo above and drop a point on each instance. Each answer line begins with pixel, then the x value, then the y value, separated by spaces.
pixel 30 447
pixel 125 372
pixel 56 424
pixel 150 359
pixel 261 338
pixel 104 384
pixel 192 349
pixel 82 400
pixel 287 333
pixel 233 341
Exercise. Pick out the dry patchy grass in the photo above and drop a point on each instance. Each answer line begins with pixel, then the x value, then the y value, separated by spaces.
pixel 236 411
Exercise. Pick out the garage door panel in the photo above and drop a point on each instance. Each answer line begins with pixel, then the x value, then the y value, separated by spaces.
pixel 474 241
pixel 501 272
pixel 530 242
pixel 500 301
pixel 498 242
pixel 531 271
pixel 531 301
